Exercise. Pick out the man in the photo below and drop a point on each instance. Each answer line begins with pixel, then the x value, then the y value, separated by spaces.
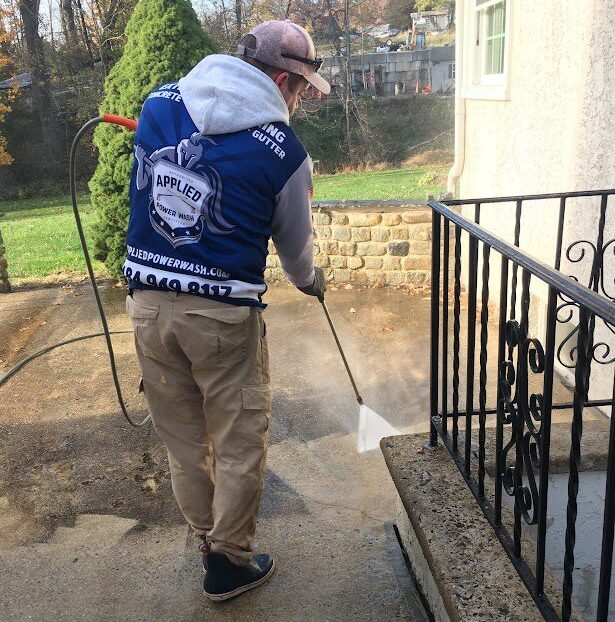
pixel 217 172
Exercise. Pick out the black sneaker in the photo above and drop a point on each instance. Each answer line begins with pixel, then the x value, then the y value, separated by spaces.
pixel 225 580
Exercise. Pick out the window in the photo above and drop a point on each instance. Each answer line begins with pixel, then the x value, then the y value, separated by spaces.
pixel 486 48
pixel 492 38
pixel 451 71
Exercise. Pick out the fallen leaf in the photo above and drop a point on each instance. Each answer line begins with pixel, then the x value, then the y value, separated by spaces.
pixel 150 485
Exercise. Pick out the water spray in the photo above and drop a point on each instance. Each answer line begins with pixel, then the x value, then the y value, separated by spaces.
pixel 372 427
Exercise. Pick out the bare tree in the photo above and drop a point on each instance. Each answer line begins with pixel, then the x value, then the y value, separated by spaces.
pixel 85 33
pixel 28 10
pixel 68 22
pixel 238 22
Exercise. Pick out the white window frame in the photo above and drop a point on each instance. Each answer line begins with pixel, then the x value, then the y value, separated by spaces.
pixel 477 84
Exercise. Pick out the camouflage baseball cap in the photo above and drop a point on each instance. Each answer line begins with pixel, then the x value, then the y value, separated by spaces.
pixel 287 46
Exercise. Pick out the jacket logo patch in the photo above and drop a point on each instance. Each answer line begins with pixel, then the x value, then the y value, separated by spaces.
pixel 185 191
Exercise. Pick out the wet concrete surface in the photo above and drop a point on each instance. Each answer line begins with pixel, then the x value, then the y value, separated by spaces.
pixel 88 525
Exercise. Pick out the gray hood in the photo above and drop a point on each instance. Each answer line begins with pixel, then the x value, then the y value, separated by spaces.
pixel 224 94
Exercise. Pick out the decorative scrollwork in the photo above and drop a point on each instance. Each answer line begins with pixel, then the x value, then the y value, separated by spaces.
pixel 570 362
pixel 524 411
pixel 601 280
pixel 576 252
pixel 606 283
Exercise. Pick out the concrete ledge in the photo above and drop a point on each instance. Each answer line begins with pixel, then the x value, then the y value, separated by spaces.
pixel 594 446
pixel 365 206
pixel 456 557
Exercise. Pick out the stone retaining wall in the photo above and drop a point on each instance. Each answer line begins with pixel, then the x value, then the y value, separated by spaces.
pixel 362 243
pixel 366 243
pixel 5 286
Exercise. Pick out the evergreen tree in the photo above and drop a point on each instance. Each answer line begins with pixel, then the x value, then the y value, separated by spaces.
pixel 164 40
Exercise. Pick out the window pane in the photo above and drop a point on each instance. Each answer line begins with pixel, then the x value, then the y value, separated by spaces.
pixel 489 57
pixel 489 12
pixel 499 11
pixel 494 55
pixel 500 56
pixel 495 17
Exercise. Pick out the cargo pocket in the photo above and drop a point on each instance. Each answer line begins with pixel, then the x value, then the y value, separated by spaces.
pixel 145 323
pixel 228 327
pixel 258 398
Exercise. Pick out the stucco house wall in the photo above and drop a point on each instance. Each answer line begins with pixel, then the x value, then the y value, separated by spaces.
pixel 557 127
pixel 554 131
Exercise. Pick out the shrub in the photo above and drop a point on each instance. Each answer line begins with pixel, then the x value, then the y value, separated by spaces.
pixel 164 40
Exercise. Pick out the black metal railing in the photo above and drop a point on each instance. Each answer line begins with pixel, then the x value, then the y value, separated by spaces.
pixel 500 289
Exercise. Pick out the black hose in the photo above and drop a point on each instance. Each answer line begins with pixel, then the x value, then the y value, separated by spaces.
pixel 13 370
pixel 88 263
pixel 106 332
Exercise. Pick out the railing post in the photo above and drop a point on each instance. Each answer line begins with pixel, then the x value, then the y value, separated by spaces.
pixel 581 379
pixel 501 414
pixel 483 356
pixel 545 441
pixel 445 279
pixel 456 334
pixel 608 526
pixel 471 349
pixel 435 325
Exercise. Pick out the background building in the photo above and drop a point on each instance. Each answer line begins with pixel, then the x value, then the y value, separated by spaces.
pixel 394 73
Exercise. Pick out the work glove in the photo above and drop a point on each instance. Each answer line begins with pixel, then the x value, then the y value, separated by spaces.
pixel 318 287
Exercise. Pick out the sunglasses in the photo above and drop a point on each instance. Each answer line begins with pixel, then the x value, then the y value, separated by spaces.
pixel 314 62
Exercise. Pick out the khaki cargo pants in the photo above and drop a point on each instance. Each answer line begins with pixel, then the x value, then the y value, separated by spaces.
pixel 206 380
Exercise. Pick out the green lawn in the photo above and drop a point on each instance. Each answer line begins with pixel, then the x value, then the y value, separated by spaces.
pixel 392 183
pixel 41 237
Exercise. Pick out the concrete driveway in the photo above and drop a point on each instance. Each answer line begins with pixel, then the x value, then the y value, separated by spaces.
pixel 88 526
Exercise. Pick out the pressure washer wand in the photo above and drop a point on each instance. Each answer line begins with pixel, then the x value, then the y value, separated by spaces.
pixel 339 346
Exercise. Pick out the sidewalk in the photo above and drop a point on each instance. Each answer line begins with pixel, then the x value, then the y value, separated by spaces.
pixel 88 526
